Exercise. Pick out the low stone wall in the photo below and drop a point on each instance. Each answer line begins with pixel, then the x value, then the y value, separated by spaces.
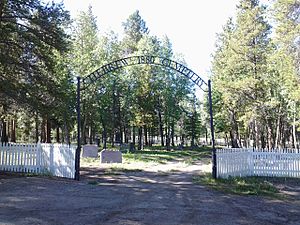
pixel 110 156
pixel 89 151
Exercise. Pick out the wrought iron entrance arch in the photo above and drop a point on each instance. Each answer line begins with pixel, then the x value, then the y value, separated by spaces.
pixel 84 82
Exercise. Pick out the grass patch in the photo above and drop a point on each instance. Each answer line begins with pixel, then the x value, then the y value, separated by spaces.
pixel 119 170
pixel 10 174
pixel 162 173
pixel 89 160
pixel 93 182
pixel 240 185
pixel 162 156
pixel 151 156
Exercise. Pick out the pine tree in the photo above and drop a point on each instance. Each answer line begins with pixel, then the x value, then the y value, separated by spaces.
pixel 85 59
pixel 134 29
pixel 241 72
pixel 285 66
pixel 30 34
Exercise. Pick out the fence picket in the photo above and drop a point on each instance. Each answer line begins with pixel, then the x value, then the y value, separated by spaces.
pixel 258 162
pixel 58 159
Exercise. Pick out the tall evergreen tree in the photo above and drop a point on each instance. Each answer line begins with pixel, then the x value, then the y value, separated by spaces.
pixel 134 29
pixel 85 58
pixel 30 34
pixel 245 48
pixel 285 65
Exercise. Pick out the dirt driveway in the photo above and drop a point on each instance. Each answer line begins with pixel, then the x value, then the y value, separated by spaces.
pixel 141 197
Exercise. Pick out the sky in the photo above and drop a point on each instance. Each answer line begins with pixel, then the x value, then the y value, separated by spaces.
pixel 191 25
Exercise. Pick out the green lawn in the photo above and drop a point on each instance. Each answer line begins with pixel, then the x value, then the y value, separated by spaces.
pixel 160 155
pixel 261 186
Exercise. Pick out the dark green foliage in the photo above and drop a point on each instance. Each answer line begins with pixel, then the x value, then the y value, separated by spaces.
pixel 256 88
pixel 34 76
pixel 30 32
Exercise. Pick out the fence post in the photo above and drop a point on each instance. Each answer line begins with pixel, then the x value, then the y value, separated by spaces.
pixel 214 157
pixel 77 154
pixel 38 157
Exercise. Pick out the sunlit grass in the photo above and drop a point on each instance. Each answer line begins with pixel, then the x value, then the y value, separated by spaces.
pixel 240 185
pixel 120 170
pixel 151 158
pixel 162 156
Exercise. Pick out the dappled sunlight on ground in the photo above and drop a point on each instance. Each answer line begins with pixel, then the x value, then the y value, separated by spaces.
pixel 168 167
pixel 126 194
pixel 157 161
pixel 141 190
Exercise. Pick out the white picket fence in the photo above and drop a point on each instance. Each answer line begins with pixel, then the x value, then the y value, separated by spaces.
pixel 258 162
pixel 55 159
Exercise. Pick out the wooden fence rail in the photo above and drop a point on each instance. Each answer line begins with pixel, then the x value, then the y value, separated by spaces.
pixel 55 159
pixel 258 162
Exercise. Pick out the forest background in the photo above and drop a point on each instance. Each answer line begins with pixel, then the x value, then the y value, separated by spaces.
pixel 255 74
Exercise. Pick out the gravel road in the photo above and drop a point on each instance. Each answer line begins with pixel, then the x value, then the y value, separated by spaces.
pixel 135 198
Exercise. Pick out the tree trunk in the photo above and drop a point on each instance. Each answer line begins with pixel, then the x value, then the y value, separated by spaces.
pixel 37 129
pixel 121 134
pixel 270 134
pixel 172 134
pixel 256 134
pixel 48 131
pixel 277 140
pixel 140 137
pixel 262 140
pixel 234 143
pixel 146 135
pixel 182 140
pixel 57 135
pixel 8 127
pixel 104 136
pixel 193 130
pixel 43 131
pixel 13 130
pixel 150 136
pixel 295 144
pixel 167 130
pixel 226 140
pixel 284 136
pixel 83 130
pixel 112 139
pixel 133 135
pixel 206 136
pixel 193 137
pixel 119 116
pixel 161 129
pixel 90 135
pixel 4 137
pixel 125 135
pixel 234 133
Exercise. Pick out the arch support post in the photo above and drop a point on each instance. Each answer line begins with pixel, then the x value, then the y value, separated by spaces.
pixel 77 154
pixel 214 157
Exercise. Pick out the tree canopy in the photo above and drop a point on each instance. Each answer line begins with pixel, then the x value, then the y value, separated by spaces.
pixel 255 74
pixel 256 82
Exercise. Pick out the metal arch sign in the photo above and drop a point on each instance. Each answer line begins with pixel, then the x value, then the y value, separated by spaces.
pixel 147 60
pixel 138 60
